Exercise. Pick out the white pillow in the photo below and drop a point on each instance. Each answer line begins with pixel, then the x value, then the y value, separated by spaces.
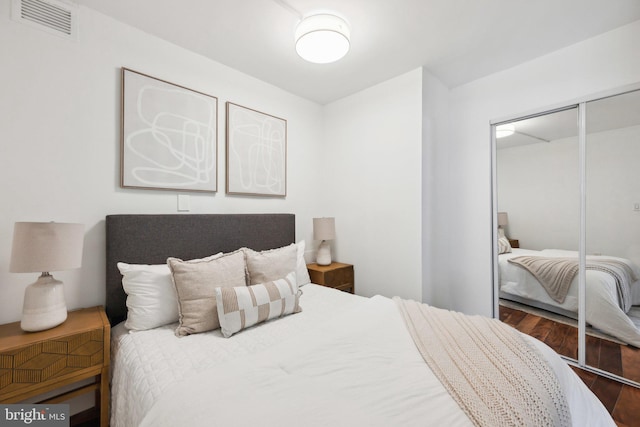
pixel 302 274
pixel 151 297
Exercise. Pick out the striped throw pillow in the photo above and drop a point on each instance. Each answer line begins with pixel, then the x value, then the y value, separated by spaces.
pixel 244 306
pixel 503 245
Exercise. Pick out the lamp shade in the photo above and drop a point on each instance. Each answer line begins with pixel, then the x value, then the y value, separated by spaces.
pixel 322 38
pixel 503 219
pixel 324 228
pixel 46 246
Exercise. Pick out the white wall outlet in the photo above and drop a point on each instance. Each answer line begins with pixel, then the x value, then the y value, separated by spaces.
pixel 184 204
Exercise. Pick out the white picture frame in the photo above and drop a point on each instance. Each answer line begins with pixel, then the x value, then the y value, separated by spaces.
pixel 169 137
pixel 256 145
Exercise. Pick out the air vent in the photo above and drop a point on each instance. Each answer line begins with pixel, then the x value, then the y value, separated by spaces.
pixel 52 16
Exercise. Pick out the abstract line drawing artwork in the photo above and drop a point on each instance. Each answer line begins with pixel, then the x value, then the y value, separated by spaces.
pixel 256 152
pixel 169 135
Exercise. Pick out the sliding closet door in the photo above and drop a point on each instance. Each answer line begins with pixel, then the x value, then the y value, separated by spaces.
pixel 566 185
pixel 537 186
pixel 612 238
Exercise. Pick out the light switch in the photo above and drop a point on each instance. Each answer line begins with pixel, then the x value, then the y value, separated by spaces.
pixel 184 204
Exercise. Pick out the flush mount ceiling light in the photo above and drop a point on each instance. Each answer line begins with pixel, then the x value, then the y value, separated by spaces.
pixel 505 130
pixel 322 38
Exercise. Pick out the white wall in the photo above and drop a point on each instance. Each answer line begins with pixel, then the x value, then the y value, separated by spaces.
pixel 372 184
pixel 435 129
pixel 602 63
pixel 538 186
pixel 613 188
pixel 59 149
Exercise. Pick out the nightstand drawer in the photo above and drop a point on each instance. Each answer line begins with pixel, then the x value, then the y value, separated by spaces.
pixel 57 359
pixel 39 364
pixel 336 275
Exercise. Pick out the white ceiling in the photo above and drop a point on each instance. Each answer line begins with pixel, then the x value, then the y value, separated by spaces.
pixel 456 40
pixel 614 112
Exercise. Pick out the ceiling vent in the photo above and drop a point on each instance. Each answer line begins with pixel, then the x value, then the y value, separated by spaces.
pixel 55 17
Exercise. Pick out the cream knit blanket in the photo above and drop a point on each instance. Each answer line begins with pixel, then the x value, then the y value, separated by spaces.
pixel 555 274
pixel 487 367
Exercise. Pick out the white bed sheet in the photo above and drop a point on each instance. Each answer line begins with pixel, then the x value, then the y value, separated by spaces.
pixel 602 308
pixel 146 363
pixel 342 361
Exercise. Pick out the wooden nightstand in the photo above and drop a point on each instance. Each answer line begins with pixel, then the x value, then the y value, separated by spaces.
pixel 335 275
pixel 33 363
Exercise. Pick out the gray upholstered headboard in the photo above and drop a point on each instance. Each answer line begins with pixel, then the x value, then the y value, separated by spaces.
pixel 151 239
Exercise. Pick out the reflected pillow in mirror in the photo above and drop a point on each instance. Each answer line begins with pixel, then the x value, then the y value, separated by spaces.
pixel 503 245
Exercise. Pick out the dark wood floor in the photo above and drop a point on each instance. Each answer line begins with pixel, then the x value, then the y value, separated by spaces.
pixel 622 401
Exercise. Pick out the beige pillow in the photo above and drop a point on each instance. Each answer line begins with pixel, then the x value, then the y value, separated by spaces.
pixel 270 265
pixel 245 306
pixel 503 246
pixel 196 282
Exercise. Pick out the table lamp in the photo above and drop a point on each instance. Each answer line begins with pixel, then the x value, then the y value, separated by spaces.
pixel 44 247
pixel 324 229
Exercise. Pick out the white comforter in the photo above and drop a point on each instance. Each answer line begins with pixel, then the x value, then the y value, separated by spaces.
pixel 355 366
pixel 602 308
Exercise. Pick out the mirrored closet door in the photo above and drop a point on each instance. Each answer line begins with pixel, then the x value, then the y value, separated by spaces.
pixel 567 231
pixel 612 235
pixel 538 200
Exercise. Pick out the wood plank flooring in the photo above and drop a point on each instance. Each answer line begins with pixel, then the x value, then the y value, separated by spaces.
pixel 622 401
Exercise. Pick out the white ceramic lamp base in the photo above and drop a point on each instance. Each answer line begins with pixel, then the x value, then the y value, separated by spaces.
pixel 324 253
pixel 44 306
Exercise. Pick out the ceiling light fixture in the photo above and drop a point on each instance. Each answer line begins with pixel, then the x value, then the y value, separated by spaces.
pixel 505 130
pixel 322 38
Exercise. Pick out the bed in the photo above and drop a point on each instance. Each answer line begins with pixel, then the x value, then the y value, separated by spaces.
pixel 342 360
pixel 604 309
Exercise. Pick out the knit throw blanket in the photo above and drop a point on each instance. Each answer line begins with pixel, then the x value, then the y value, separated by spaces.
pixel 555 274
pixel 487 367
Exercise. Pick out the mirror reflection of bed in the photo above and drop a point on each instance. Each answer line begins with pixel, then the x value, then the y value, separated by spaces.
pixel 613 335
pixel 548 279
pixel 539 204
